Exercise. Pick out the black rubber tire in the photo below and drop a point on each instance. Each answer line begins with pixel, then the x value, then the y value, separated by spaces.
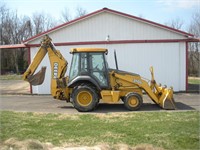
pixel 89 92
pixel 135 96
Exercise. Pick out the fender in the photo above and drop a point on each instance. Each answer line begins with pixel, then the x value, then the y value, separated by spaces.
pixel 83 79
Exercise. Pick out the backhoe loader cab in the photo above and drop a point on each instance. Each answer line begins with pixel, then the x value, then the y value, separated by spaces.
pixel 90 80
pixel 89 65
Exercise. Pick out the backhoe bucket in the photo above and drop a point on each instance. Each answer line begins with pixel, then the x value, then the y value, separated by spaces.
pixel 38 78
pixel 166 100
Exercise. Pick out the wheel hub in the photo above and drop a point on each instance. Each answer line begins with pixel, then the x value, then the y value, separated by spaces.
pixel 84 98
pixel 133 102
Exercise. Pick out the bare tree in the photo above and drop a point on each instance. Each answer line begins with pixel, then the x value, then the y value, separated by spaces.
pixel 3 13
pixel 15 29
pixel 194 48
pixel 176 23
pixel 195 24
pixel 66 17
pixel 80 12
pixel 41 23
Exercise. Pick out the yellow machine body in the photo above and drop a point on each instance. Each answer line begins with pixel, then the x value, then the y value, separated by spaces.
pixel 92 84
pixel 122 84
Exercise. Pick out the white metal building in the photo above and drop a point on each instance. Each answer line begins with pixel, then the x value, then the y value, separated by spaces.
pixel 139 44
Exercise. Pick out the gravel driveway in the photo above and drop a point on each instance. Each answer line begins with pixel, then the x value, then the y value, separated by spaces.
pixel 15 87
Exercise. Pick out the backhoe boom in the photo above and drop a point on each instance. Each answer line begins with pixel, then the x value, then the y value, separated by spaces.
pixel 58 69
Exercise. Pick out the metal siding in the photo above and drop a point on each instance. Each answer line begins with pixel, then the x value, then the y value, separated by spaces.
pixel 166 58
pixel 138 58
pixel 96 28
pixel 45 87
pixel 182 66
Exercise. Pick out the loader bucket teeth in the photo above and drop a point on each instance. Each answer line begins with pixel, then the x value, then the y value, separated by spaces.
pixel 38 78
pixel 167 100
pixel 169 104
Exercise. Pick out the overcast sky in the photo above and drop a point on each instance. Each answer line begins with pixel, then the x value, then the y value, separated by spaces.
pixel 160 11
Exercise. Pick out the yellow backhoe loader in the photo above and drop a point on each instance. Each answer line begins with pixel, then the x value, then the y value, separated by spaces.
pixel 90 80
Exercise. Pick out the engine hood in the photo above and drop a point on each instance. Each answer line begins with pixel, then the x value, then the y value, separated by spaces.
pixel 123 72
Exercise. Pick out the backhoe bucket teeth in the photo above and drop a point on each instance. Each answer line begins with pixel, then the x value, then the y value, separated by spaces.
pixel 38 78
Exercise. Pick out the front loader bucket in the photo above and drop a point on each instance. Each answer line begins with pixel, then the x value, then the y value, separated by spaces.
pixel 38 78
pixel 169 104
pixel 166 100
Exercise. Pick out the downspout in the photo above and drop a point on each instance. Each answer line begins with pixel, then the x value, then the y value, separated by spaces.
pixel 29 62
pixel 187 63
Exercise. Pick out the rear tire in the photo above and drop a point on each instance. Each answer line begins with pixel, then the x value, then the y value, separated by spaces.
pixel 85 98
pixel 133 101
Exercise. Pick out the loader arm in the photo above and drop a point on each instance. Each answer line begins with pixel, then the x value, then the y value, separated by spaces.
pixel 58 69
pixel 160 95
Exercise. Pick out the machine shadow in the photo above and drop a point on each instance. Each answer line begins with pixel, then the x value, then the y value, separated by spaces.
pixel 66 107
pixel 106 108
pixel 110 108
pixel 182 106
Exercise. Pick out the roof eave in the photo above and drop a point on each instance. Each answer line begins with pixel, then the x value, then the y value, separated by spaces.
pixel 13 46
pixel 152 23
pixel 193 40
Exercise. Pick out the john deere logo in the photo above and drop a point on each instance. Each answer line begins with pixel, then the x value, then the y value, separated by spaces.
pixel 55 70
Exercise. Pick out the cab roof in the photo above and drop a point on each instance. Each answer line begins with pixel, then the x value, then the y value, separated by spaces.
pixel 87 50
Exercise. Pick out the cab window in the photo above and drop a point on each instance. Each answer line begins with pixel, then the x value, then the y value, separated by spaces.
pixel 98 68
pixel 74 69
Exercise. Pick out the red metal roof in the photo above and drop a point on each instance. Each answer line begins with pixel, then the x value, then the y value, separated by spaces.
pixel 111 11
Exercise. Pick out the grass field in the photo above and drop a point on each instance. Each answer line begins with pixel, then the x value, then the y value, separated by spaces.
pixel 168 130
pixel 194 80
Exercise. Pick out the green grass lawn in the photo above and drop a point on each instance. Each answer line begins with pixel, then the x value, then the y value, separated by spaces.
pixel 194 80
pixel 168 130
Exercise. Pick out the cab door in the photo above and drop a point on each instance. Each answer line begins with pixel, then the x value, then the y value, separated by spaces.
pixel 98 69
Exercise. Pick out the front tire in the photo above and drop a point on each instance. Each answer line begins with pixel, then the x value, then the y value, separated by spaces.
pixel 85 98
pixel 133 101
